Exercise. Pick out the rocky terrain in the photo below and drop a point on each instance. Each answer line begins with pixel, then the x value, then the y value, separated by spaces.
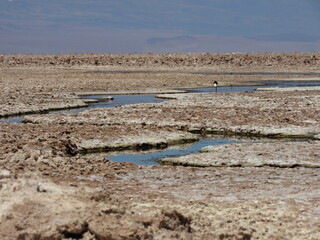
pixel 286 61
pixel 260 188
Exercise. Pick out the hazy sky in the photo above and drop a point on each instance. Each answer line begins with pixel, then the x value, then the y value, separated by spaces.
pixel 113 26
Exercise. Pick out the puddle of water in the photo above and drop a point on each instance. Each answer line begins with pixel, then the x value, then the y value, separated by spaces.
pixel 152 158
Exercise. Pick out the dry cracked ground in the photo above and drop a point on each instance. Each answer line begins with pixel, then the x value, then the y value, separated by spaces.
pixel 267 187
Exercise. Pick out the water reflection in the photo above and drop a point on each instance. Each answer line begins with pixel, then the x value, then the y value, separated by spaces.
pixel 152 158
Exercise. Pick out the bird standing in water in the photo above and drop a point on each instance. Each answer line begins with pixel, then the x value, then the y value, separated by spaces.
pixel 215 84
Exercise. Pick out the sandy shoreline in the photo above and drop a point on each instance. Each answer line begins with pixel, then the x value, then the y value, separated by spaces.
pixel 49 189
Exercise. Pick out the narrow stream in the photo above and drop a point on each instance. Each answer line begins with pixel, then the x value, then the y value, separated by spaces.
pixel 151 98
pixel 132 99
pixel 152 157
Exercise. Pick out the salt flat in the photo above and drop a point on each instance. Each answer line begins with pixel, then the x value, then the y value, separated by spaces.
pixel 253 190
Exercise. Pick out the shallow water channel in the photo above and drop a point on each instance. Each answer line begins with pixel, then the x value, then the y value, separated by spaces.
pixel 131 99
pixel 151 98
pixel 152 157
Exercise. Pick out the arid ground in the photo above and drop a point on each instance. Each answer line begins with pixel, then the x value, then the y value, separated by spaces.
pixel 267 186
